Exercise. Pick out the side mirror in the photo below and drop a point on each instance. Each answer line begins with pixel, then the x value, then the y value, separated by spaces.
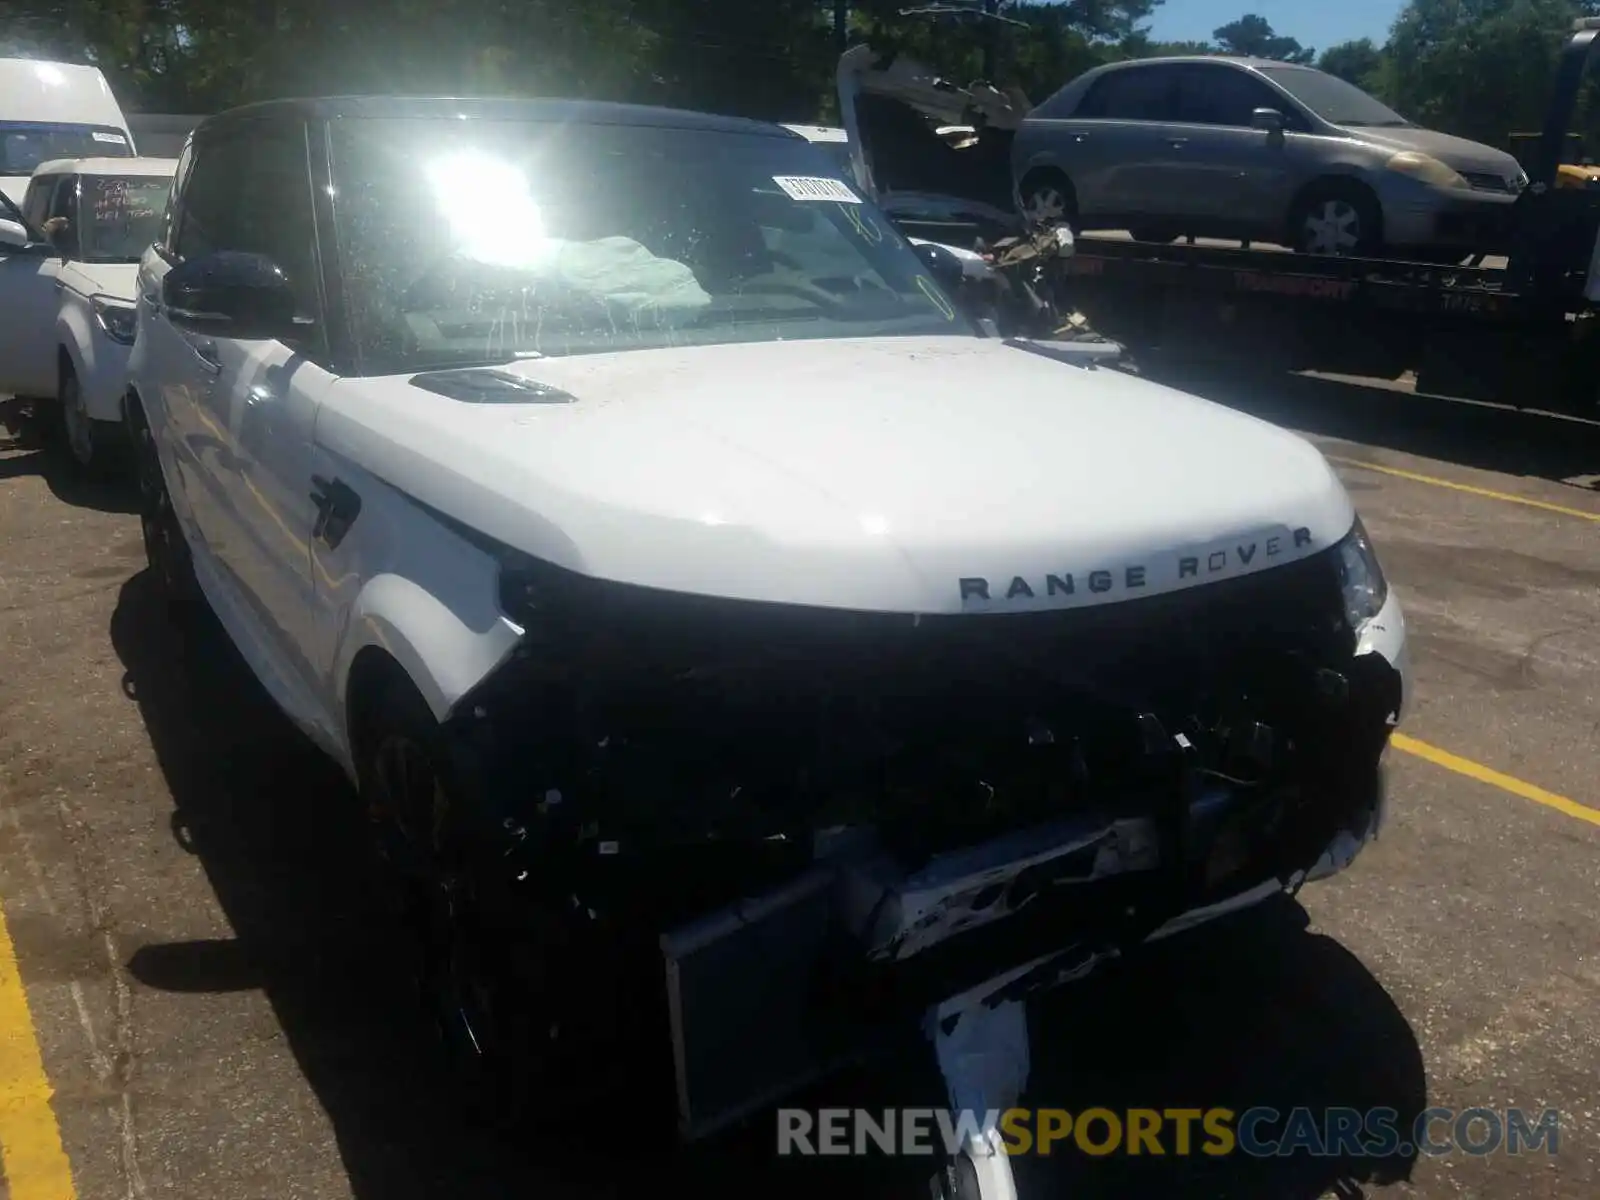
pixel 944 266
pixel 231 294
pixel 1268 119
pixel 14 235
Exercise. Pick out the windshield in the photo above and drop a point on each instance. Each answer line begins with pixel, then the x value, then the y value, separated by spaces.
pixel 471 242
pixel 1332 99
pixel 24 145
pixel 119 216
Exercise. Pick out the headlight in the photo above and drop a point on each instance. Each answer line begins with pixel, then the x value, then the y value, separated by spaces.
pixel 1361 579
pixel 1424 168
pixel 119 321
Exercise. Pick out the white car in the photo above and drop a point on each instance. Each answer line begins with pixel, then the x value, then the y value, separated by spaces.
pixel 51 110
pixel 67 275
pixel 716 634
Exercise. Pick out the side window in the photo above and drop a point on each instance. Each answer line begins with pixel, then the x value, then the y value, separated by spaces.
pixel 169 220
pixel 36 202
pixel 203 212
pixel 1144 93
pixel 64 208
pixel 1058 106
pixel 1222 95
pixel 250 191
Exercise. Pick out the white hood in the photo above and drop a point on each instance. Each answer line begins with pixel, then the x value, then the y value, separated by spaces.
pixel 874 474
pixel 120 281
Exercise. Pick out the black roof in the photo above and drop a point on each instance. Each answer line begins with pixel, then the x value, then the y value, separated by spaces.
pixel 579 112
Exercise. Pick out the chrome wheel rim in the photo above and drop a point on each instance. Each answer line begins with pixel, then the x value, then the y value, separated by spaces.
pixel 1045 203
pixel 1332 227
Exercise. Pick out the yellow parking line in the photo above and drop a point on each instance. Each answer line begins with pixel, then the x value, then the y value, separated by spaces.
pixel 1465 487
pixel 1483 774
pixel 35 1165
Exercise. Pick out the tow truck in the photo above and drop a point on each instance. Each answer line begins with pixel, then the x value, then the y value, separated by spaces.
pixel 1523 333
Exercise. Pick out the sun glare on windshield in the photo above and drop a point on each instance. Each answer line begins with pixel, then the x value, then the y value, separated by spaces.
pixel 507 231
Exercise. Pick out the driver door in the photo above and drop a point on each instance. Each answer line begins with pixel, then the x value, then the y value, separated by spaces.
pixel 1225 172
pixel 254 402
pixel 30 280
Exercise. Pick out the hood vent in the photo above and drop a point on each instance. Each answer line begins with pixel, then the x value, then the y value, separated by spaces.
pixel 477 386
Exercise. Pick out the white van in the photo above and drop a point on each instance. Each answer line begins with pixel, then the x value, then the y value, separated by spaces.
pixel 67 299
pixel 51 110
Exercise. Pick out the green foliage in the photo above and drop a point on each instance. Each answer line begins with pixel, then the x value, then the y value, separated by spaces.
pixel 1253 36
pixel 1481 68
pixel 1359 62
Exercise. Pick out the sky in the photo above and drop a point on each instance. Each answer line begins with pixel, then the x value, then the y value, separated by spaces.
pixel 1315 23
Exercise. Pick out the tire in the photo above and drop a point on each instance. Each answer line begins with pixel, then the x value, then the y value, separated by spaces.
pixel 414 827
pixel 502 985
pixel 1048 195
pixel 1336 217
pixel 493 1033
pixel 165 547
pixel 90 445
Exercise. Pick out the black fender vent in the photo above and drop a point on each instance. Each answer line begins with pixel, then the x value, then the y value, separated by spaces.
pixel 478 386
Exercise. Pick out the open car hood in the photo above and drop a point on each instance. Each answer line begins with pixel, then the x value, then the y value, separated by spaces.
pixel 950 185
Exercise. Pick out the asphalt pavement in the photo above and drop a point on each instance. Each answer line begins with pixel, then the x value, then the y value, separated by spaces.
pixel 210 1005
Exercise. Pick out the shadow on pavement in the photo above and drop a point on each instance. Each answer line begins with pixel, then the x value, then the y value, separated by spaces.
pixel 1490 438
pixel 1253 1011
pixel 1257 1012
pixel 31 452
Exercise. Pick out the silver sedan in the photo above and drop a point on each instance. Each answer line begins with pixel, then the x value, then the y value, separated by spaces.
pixel 1261 150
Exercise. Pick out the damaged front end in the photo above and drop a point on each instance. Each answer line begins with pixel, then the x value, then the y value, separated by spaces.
pixel 801 826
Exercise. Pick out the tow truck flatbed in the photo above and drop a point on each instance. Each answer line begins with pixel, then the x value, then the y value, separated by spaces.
pixel 1523 333
pixel 1390 285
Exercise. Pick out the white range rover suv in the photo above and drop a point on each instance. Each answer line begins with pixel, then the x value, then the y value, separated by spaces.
pixel 719 626
pixel 71 259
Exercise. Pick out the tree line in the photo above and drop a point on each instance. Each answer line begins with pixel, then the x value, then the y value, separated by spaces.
pixel 1480 68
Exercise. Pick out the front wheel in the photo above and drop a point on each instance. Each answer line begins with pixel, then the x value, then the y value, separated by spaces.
pixel 539 1017
pixel 415 826
pixel 165 547
pixel 1337 219
pixel 484 962
pixel 91 443
pixel 1048 199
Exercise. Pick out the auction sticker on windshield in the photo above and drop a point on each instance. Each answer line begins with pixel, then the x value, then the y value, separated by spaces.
pixel 807 187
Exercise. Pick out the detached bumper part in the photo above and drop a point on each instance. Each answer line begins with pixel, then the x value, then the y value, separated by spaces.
pixel 982 1051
